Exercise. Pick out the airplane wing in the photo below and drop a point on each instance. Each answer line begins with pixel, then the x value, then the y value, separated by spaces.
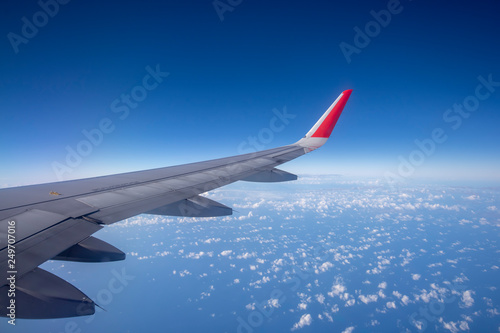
pixel 55 221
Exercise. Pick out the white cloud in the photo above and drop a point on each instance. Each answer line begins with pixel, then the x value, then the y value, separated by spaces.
pixel 405 300
pixel 328 316
pixel 325 266
pixel 211 240
pixel 274 302
pixel 278 262
pixel 246 255
pixel 418 324
pixel 302 306
pixel 493 312
pixel 198 255
pixel 226 252
pixel 464 326
pixel 337 290
pixel 461 279
pixel 348 330
pixel 439 206
pixel 467 299
pixel 320 298
pixel 391 305
pixel 489 301
pixel 415 276
pixel 467 318
pixel 426 296
pixel 464 221
pixel 305 320
pixel 375 270
pixel 368 299
pixel 382 285
pixel 184 273
pixel 452 325
pixel 244 217
pixel 350 302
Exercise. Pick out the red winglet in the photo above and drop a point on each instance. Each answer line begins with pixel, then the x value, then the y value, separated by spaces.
pixel 326 127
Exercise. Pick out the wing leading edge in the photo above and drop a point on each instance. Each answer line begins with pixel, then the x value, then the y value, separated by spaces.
pixel 60 227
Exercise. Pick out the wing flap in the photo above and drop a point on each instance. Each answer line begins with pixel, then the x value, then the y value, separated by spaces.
pixel 271 176
pixel 196 206
pixel 42 295
pixel 91 250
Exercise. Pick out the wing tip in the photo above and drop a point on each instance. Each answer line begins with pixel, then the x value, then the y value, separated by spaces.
pixel 347 92
pixel 331 116
pixel 323 128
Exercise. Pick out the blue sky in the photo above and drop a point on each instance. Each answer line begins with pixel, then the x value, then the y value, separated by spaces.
pixel 227 76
